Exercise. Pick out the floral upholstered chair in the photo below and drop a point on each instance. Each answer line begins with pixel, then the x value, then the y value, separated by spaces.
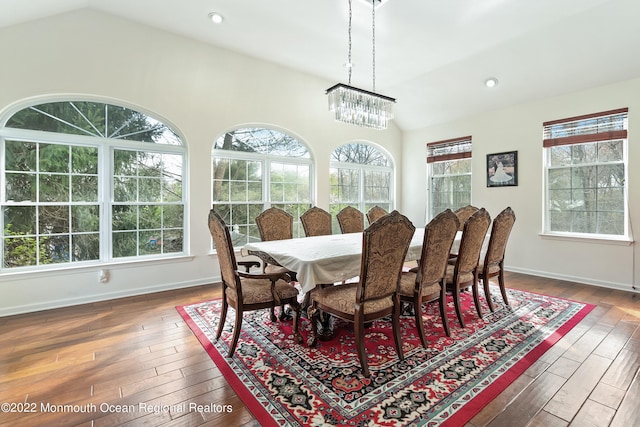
pixel 375 213
pixel 493 264
pixel 351 220
pixel 464 213
pixel 426 282
pixel 316 222
pixel 463 274
pixel 245 291
pixel 375 295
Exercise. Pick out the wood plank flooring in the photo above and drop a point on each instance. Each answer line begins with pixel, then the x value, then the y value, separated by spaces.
pixel 133 362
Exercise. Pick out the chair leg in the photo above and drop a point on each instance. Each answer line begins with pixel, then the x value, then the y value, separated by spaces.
pixel 417 310
pixel 476 298
pixel 273 314
pixel 297 338
pixel 487 293
pixel 456 303
pixel 358 328
pixel 443 309
pixel 223 317
pixel 236 332
pixel 396 329
pixel 314 315
pixel 503 289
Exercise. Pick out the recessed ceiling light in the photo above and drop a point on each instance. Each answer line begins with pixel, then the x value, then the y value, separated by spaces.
pixel 216 17
pixel 491 82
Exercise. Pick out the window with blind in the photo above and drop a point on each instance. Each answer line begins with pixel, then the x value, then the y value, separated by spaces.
pixel 449 169
pixel 586 174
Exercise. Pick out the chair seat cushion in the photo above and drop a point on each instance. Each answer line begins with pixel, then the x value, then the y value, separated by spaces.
pixel 343 297
pixel 493 269
pixel 258 291
pixel 464 277
pixel 408 283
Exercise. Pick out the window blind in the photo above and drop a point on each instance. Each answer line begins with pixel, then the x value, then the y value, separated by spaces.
pixel 450 149
pixel 607 125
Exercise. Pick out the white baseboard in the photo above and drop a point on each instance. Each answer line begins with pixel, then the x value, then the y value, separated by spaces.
pixel 585 280
pixel 68 302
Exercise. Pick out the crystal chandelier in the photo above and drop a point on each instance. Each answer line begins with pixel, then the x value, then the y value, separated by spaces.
pixel 358 106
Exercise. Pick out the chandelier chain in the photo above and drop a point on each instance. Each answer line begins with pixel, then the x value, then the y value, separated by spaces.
pixel 373 43
pixel 349 64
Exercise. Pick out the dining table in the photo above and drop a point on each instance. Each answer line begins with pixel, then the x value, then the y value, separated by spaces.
pixel 326 259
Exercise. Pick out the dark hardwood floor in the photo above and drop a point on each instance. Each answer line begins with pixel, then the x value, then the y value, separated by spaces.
pixel 120 354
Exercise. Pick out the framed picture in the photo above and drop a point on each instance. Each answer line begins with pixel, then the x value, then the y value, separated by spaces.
pixel 502 169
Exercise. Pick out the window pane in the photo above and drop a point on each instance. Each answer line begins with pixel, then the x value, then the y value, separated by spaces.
pixel 19 220
pixel 125 244
pixel 124 217
pixel 20 156
pixel 20 252
pixel 85 218
pixel 84 160
pixel 55 249
pixel 53 219
pixel 54 158
pixel 86 247
pixel 610 151
pixel 53 188
pixel 21 187
pixel 84 188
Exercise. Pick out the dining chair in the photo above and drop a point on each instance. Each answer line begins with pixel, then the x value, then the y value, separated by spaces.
pixel 464 213
pixel 375 295
pixel 275 224
pixel 493 264
pixel 375 213
pixel 426 282
pixel 351 220
pixel 316 222
pixel 246 291
pixel 463 274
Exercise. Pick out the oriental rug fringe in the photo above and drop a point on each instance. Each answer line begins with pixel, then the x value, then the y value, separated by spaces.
pixel 285 384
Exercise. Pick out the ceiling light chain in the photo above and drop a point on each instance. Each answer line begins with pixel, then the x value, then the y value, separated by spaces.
pixel 373 40
pixel 358 106
pixel 349 64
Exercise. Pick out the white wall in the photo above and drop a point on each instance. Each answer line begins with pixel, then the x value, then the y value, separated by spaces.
pixel 201 90
pixel 520 128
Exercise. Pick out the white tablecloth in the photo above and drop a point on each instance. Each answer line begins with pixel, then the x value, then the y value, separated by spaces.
pixel 325 259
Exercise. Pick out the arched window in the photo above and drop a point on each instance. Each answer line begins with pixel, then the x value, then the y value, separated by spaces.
pixel 89 182
pixel 257 168
pixel 361 176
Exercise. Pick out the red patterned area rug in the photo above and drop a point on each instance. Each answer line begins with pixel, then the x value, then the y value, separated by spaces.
pixel 284 384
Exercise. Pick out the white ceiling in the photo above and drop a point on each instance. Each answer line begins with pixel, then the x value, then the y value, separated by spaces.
pixel 432 55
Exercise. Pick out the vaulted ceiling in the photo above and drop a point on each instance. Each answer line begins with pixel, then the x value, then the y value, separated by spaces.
pixel 432 55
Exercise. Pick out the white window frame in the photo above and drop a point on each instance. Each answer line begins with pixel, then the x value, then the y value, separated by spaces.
pixel 449 150
pixel 105 149
pixel 582 135
pixel 266 160
pixel 362 204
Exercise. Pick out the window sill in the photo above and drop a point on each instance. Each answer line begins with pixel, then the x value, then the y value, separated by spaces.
pixel 601 239
pixel 64 269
